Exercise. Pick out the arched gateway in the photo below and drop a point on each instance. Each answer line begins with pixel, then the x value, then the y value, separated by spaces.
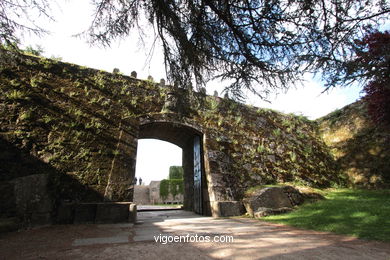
pixel 190 140
pixel 74 131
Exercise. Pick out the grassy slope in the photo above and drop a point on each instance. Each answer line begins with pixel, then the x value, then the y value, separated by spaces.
pixel 361 213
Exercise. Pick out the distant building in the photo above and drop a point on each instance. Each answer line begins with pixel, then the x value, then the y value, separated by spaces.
pixel 150 194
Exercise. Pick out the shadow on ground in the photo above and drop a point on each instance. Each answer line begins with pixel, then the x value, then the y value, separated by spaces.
pixel 252 239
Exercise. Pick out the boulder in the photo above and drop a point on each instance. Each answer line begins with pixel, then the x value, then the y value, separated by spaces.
pixel 295 196
pixel 312 196
pixel 272 200
pixel 263 212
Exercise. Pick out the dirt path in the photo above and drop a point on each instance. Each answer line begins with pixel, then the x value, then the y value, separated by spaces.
pixel 252 240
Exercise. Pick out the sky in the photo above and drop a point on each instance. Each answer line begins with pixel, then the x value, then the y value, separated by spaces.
pixel 133 54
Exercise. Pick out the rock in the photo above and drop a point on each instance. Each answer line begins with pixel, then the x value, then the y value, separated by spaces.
pixel 271 158
pixel 312 196
pixel 162 82
pixel 295 196
pixel 272 200
pixel 272 197
pixel 263 212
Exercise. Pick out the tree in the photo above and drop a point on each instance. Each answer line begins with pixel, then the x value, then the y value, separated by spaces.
pixel 175 172
pixel 18 17
pixel 260 46
pixel 257 45
pixel 372 66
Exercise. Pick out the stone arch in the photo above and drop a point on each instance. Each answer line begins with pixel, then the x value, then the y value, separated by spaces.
pixel 182 134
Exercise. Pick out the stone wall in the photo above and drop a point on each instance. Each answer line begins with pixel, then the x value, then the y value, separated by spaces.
pixel 359 147
pixel 28 198
pixel 81 126
pixel 150 195
pixel 155 197
pixel 141 195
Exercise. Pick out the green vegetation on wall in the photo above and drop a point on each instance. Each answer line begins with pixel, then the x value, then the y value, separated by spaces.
pixel 358 146
pixel 69 117
pixel 174 185
pixel 164 188
pixel 175 172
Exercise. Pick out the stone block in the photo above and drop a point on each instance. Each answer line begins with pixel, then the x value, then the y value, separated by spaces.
pixel 9 224
pixel 112 212
pixel 227 208
pixel 40 219
pixel 7 199
pixel 132 213
pixel 65 214
pixel 33 201
pixel 85 213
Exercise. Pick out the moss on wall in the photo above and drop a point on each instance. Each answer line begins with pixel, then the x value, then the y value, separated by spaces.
pixel 68 117
pixel 84 124
pixel 171 186
pixel 360 148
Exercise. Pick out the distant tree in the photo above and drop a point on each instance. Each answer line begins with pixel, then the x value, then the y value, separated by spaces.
pixel 175 172
pixel 261 46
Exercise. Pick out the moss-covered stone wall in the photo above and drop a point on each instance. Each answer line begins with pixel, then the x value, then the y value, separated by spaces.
pixel 360 148
pixel 82 126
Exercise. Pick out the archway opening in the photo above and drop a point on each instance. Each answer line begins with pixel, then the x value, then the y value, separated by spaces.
pixel 195 193
pixel 156 181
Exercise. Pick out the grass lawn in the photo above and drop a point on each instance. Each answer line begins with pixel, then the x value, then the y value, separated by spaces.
pixel 360 213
